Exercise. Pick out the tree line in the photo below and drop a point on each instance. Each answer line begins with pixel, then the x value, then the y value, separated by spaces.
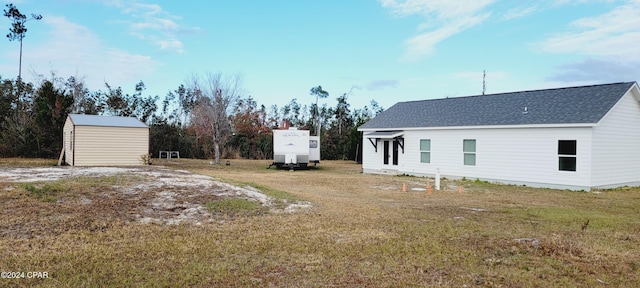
pixel 207 117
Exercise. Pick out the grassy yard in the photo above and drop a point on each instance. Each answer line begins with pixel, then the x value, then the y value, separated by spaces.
pixel 361 231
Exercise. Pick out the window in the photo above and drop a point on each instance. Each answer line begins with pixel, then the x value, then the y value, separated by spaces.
pixel 425 150
pixel 567 155
pixel 469 151
pixel 313 143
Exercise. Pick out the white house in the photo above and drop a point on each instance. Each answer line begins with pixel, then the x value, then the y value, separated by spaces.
pixel 92 140
pixel 569 138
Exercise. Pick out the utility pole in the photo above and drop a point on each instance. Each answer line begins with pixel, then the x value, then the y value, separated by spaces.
pixel 484 81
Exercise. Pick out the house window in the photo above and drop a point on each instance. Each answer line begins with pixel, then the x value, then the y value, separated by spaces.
pixel 567 155
pixel 469 151
pixel 425 150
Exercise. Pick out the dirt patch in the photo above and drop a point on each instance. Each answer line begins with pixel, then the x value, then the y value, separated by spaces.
pixel 140 195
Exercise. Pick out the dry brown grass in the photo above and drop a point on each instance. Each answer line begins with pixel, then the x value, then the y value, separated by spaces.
pixel 362 231
pixel 26 162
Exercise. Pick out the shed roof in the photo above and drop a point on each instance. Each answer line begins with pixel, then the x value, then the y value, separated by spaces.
pixel 573 105
pixel 106 121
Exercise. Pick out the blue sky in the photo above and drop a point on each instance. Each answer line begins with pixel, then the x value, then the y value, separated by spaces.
pixel 386 50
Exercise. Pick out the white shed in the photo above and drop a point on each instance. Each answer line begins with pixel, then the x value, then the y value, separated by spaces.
pixel 570 138
pixel 92 140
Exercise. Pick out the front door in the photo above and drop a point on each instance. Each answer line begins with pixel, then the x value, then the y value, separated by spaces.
pixel 390 153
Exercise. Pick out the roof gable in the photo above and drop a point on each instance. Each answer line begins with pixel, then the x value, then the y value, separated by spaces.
pixel 106 121
pixel 574 105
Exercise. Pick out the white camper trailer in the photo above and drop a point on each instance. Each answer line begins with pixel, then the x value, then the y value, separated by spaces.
pixel 293 148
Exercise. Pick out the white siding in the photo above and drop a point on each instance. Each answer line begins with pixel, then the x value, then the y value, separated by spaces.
pixel 371 160
pixel 616 145
pixel 526 156
pixel 110 146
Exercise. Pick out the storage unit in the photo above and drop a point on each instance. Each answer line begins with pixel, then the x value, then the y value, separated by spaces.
pixel 92 140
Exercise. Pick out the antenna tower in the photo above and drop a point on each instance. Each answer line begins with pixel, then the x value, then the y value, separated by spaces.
pixel 484 81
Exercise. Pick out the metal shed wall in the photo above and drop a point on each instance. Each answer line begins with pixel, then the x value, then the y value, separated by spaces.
pixel 105 146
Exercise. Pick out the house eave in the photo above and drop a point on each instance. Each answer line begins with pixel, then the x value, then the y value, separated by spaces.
pixel 635 91
pixel 563 125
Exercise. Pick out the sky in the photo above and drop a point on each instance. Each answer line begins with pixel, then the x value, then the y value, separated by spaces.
pixel 386 50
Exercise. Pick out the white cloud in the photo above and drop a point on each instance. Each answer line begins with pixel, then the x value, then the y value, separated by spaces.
pixel 171 44
pixel 608 41
pixel 436 8
pixel 423 44
pixel 141 8
pixel 519 12
pixel 442 19
pixel 73 49
pixel 614 34
pixel 597 70
pixel 150 22
pixel 382 84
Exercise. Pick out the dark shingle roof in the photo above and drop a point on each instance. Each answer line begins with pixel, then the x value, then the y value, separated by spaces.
pixel 574 105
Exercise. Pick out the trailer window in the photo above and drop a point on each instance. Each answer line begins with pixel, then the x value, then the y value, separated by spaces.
pixel 313 143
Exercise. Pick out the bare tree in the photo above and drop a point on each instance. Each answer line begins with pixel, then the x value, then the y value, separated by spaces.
pixel 76 87
pixel 216 92
pixel 17 130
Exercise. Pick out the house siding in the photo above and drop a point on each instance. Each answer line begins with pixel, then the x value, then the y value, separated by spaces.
pixel 371 160
pixel 616 157
pixel 527 156
pixel 110 146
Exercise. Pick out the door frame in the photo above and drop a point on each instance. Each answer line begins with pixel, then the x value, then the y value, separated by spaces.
pixel 390 154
